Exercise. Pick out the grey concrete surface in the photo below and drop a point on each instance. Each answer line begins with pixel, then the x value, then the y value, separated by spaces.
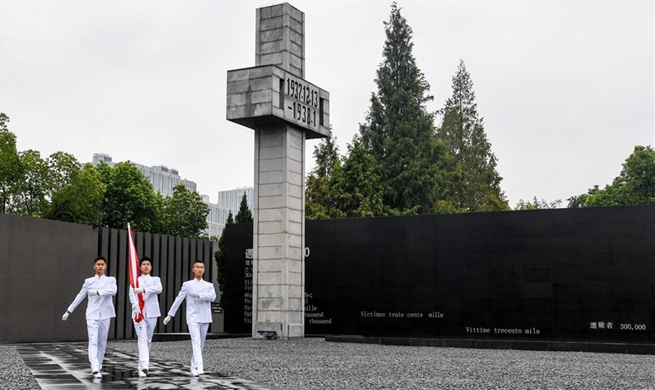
pixel 313 363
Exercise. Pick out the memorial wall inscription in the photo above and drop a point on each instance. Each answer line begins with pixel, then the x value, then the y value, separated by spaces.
pixel 571 274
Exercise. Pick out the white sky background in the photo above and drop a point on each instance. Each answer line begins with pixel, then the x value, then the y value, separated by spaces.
pixel 565 86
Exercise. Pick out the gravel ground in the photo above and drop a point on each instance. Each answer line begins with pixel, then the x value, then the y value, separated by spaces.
pixel 311 363
pixel 14 374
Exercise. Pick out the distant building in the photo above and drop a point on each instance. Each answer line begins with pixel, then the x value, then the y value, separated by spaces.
pixel 164 180
pixel 215 219
pixel 231 199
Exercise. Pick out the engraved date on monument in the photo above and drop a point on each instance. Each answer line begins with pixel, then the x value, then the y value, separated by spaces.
pixel 303 113
pixel 304 101
pixel 303 92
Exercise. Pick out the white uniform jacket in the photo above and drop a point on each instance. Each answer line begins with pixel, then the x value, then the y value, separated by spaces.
pixel 152 284
pixel 198 310
pixel 99 307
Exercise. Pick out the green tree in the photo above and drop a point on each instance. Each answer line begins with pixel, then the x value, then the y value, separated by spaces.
pixel 61 169
pixel 11 170
pixel 184 213
pixel 27 181
pixel 33 189
pixel 399 131
pixel 129 197
pixel 320 194
pixel 474 183
pixel 634 185
pixel 219 256
pixel 358 190
pixel 79 201
pixel 537 204
pixel 244 215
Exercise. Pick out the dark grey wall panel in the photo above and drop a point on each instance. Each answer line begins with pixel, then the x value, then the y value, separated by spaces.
pixel 567 274
pixel 5 225
pixel 43 270
pixel 169 283
pixel 43 264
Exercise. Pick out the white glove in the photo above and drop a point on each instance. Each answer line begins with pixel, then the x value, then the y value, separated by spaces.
pixel 136 309
pixel 65 316
pixel 194 294
pixel 167 320
pixel 93 292
pixel 139 290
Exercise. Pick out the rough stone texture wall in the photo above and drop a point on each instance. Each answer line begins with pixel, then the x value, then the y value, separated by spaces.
pixel 279 231
pixel 280 38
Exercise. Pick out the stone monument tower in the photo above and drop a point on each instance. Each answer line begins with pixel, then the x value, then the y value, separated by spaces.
pixel 283 109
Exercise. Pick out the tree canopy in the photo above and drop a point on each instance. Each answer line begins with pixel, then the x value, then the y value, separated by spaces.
pixel 537 204
pixel 129 197
pixel 634 185
pixel 399 131
pixel 11 170
pixel 473 181
pixel 184 213
pixel 401 164
pixel 79 201
pixel 320 192
pixel 244 215
pixel 358 188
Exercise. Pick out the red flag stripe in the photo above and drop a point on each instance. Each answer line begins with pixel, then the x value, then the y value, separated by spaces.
pixel 133 260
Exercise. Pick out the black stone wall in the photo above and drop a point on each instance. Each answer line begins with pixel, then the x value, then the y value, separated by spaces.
pixel 43 264
pixel 568 274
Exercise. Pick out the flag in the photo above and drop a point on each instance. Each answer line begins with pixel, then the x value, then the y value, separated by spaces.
pixel 133 265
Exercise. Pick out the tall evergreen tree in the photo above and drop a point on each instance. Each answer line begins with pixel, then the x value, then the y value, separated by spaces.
pixel 11 169
pixel 319 193
pixel 219 256
pixel 399 131
pixel 358 191
pixel 244 215
pixel 474 183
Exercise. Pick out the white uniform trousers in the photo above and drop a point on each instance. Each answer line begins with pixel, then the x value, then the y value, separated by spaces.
pixel 98 331
pixel 144 331
pixel 198 332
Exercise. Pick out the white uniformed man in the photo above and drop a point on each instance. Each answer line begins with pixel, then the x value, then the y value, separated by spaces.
pixel 199 295
pixel 100 290
pixel 150 287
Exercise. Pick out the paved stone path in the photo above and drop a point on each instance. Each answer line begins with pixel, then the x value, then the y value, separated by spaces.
pixel 65 366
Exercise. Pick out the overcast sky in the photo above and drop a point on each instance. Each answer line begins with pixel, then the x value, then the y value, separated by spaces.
pixel 565 86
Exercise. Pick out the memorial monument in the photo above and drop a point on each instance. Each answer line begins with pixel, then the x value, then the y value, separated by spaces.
pixel 283 109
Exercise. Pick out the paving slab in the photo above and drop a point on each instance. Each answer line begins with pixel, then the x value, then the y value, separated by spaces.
pixel 66 366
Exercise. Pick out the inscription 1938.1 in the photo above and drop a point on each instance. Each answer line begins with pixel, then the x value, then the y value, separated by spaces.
pixel 301 102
